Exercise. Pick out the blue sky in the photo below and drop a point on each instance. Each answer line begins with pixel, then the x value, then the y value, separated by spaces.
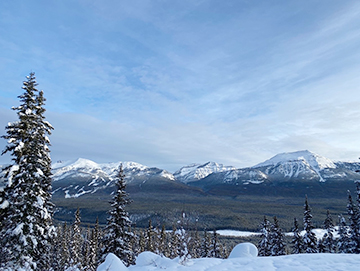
pixel 169 83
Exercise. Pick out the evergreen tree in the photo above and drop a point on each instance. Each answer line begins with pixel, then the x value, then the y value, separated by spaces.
pixel 195 245
pixel 174 243
pixel 150 244
pixel 328 239
pixel 277 242
pixel 264 243
pixel 117 236
pixel 141 242
pixel 309 239
pixel 96 242
pixel 358 217
pixel 215 251
pixel 297 239
pixel 87 251
pixel 183 250
pixel 344 242
pixel 206 243
pixel 76 242
pixel 65 248
pixel 163 248
pixel 353 229
pixel 27 229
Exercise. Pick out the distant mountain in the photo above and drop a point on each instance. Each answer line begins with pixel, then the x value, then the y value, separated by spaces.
pixel 83 176
pixel 296 173
pixel 195 172
pixel 211 193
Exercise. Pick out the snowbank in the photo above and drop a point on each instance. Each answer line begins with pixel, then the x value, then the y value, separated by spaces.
pixel 148 261
pixel 244 250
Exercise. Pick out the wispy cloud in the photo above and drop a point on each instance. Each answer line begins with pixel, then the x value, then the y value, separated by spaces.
pixel 170 83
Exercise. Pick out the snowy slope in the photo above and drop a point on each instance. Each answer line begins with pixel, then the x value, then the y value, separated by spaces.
pixel 312 159
pixel 83 176
pixel 243 260
pixel 301 164
pixel 196 172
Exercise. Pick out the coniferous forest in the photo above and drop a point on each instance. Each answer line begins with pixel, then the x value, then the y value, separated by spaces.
pixel 31 240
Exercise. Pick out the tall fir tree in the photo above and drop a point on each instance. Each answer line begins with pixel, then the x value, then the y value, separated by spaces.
pixel 27 229
pixel 264 243
pixel 206 245
pixel 297 239
pixel 343 243
pixel 117 236
pixel 76 242
pixel 215 251
pixel 150 236
pixel 309 238
pixel 174 243
pixel 277 242
pixel 358 217
pixel 328 238
pixel 195 245
pixel 353 213
pixel 65 247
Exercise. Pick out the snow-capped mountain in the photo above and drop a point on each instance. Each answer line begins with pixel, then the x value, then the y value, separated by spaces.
pixel 294 167
pixel 84 176
pixel 196 172
pixel 305 165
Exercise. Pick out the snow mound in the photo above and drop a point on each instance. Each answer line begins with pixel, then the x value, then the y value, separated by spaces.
pixel 146 259
pixel 112 263
pixel 244 250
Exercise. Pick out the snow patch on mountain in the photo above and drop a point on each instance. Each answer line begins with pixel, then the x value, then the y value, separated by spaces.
pixel 196 172
pixel 314 160
pixel 294 163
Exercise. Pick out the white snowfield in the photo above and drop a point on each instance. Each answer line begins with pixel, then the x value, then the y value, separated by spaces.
pixel 243 257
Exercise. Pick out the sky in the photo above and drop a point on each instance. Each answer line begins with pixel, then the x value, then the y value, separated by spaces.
pixel 170 83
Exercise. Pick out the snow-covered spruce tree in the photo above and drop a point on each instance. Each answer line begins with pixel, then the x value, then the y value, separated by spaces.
pixel 277 242
pixel 215 251
pixel 353 213
pixel 174 243
pixel 358 216
pixel 150 234
pixel 183 249
pixel 195 245
pixel 76 242
pixel 117 236
pixel 27 229
pixel 65 247
pixel 328 238
pixel 309 239
pixel 206 245
pixel 297 239
pixel 264 243
pixel 163 247
pixel 343 243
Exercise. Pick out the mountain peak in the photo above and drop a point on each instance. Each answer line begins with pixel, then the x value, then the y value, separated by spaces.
pixel 196 172
pixel 314 160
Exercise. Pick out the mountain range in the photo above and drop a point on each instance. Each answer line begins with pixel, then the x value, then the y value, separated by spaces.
pixel 75 179
pixel 213 195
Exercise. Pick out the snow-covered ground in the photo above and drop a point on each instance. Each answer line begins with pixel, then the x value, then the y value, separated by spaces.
pixel 244 259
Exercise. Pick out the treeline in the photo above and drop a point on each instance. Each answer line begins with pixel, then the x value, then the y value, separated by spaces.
pixel 83 248
pixel 343 238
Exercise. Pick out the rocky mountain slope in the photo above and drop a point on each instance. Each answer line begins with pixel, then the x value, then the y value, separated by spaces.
pixel 212 194
pixel 74 179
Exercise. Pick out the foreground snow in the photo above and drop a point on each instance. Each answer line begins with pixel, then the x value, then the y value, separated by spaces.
pixel 243 259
